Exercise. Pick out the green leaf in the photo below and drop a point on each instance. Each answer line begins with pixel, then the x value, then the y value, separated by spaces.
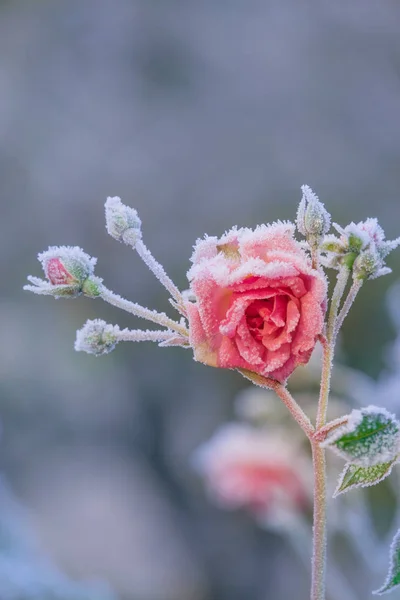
pixel 393 578
pixel 355 476
pixel 370 437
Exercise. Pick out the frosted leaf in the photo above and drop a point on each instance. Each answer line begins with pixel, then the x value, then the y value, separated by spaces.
pixel 370 436
pixel 355 476
pixel 122 222
pixel 393 578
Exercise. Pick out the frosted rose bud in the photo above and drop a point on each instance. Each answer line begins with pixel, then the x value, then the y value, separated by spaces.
pixel 122 222
pixel 69 273
pixel 259 304
pixel 313 220
pixel 96 337
pixel 367 265
pixel 246 467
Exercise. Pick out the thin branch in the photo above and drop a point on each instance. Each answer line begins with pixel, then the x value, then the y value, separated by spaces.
pixel 329 346
pixel 158 270
pixel 142 312
pixel 355 288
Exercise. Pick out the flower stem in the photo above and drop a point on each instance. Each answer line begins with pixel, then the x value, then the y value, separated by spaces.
pixel 319 528
pixel 142 312
pixel 318 453
pixel 158 270
pixel 355 288
pixel 329 346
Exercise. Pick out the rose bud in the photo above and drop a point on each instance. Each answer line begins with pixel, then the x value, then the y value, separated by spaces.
pixel 69 273
pixel 313 220
pixel 96 337
pixel 259 303
pixel 122 222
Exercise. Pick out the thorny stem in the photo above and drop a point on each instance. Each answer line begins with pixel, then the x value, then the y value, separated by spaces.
pixel 286 397
pixel 142 312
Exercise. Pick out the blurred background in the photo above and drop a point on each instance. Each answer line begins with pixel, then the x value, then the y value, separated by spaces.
pixel 201 115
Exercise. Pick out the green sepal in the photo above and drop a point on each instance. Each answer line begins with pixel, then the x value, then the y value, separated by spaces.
pixel 92 287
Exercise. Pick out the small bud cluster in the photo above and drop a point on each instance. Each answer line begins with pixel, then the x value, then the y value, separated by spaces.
pixel 361 247
pixel 122 222
pixel 69 273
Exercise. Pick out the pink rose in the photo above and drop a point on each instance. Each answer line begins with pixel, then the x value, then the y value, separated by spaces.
pixel 262 471
pixel 258 303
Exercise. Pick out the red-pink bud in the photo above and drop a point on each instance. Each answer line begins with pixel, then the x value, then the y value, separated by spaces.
pixel 57 274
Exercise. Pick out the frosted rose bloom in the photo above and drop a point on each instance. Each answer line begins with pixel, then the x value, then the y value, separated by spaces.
pixel 245 467
pixel 258 303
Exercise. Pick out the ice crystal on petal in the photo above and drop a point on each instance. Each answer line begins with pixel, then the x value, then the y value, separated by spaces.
pixel 370 437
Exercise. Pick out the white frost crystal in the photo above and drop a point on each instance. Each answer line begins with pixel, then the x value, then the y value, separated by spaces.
pixel 370 437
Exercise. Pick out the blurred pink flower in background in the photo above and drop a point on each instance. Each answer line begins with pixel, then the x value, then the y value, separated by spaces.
pixel 259 304
pixel 257 469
